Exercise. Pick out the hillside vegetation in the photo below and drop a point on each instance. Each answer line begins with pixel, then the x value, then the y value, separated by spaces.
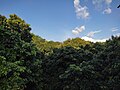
pixel 29 62
pixel 48 46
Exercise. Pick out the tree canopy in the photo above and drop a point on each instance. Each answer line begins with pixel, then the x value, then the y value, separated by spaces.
pixel 29 62
pixel 18 55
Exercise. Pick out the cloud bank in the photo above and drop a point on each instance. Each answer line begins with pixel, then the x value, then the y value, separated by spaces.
pixel 94 40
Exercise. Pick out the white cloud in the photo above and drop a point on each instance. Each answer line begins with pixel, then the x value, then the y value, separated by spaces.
pixel 99 4
pixel 107 11
pixel 77 30
pixel 94 40
pixel 114 29
pixel 108 1
pixel 91 34
pixel 81 12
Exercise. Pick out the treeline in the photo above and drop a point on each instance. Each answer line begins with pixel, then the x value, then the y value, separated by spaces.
pixel 47 46
pixel 29 62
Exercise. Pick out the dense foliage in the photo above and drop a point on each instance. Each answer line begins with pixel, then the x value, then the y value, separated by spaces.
pixel 43 45
pixel 29 62
pixel 48 46
pixel 91 67
pixel 19 58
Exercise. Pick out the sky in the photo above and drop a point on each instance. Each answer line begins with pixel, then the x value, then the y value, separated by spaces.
pixel 58 20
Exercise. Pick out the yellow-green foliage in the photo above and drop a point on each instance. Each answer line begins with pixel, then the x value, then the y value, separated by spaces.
pixel 44 45
pixel 75 42
pixel 48 46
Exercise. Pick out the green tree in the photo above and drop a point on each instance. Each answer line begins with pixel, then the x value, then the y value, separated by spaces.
pixel 19 58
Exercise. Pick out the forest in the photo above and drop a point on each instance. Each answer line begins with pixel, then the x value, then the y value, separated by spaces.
pixel 29 62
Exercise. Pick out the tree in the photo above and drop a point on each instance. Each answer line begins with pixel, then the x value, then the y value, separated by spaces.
pixel 19 58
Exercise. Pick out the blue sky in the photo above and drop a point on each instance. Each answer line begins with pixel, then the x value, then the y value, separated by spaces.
pixel 57 20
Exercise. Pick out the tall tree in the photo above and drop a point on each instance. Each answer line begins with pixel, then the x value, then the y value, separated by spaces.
pixel 19 58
